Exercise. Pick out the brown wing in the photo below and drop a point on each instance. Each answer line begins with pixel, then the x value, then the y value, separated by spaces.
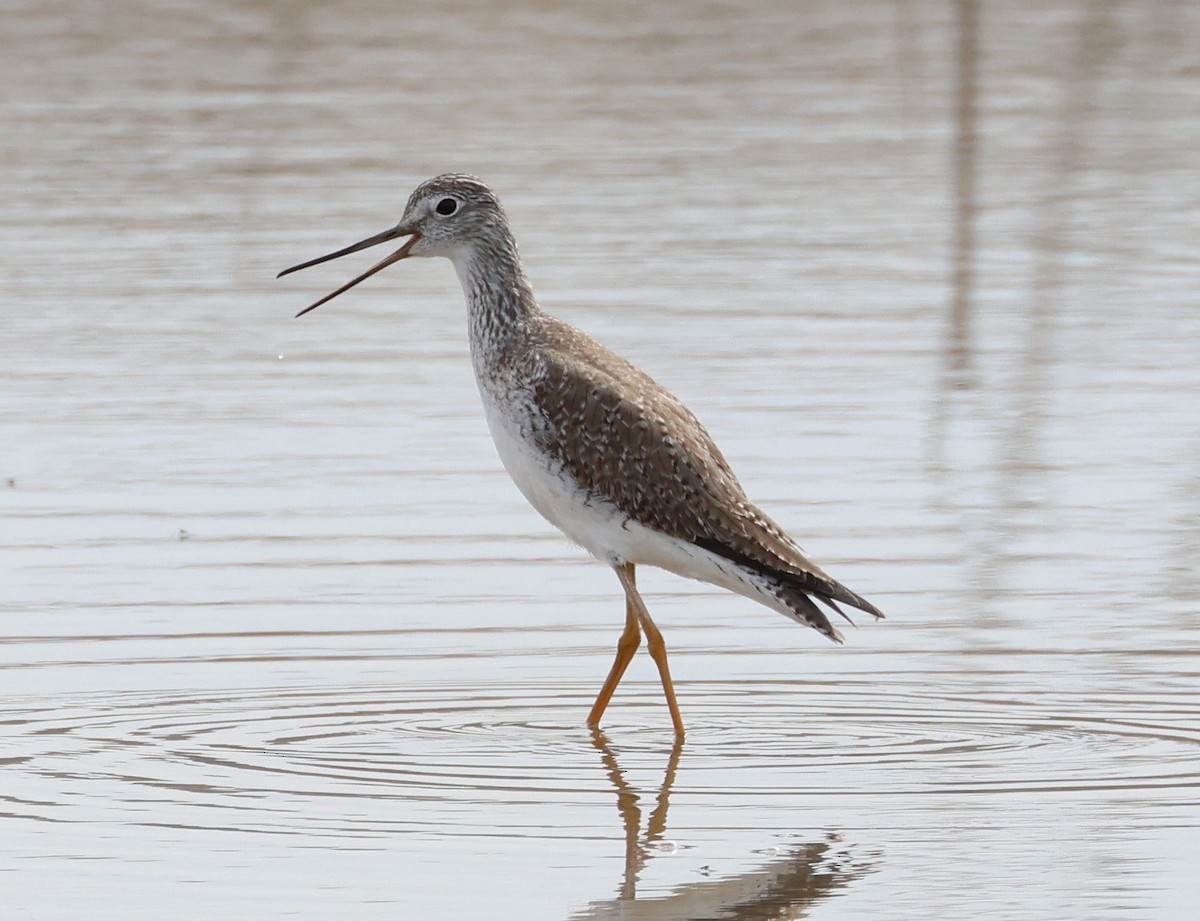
pixel 639 448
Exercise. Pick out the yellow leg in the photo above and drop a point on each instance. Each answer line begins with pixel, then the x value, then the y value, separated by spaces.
pixel 626 646
pixel 654 641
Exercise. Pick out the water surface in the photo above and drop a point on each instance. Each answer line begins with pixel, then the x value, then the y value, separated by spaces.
pixel 281 639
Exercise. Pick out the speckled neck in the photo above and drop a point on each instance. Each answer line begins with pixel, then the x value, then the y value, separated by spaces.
pixel 500 302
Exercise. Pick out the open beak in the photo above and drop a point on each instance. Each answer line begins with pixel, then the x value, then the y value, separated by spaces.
pixel 392 234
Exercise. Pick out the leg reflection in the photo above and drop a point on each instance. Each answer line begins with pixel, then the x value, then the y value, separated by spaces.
pixel 636 847
pixel 794 877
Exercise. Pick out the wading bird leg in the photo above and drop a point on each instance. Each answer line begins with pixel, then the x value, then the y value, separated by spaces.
pixel 626 646
pixel 654 641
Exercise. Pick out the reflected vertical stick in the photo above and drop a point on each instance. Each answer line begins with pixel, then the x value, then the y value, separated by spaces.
pixel 959 345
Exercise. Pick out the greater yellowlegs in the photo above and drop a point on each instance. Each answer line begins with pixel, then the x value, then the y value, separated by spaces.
pixel 599 448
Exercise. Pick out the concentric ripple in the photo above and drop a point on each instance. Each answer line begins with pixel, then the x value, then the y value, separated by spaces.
pixel 366 761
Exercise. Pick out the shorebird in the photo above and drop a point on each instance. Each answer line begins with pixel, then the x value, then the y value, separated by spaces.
pixel 604 452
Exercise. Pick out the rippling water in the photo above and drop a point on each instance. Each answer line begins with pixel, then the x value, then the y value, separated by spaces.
pixel 279 637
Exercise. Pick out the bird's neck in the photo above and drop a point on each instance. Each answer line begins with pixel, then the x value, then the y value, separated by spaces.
pixel 500 302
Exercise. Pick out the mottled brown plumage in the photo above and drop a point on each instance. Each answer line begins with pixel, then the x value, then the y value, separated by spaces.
pixel 597 446
pixel 630 442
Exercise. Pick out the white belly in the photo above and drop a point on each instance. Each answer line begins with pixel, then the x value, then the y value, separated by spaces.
pixel 550 489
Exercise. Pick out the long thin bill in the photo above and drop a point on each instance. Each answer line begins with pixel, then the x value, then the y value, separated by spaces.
pixel 399 254
pixel 390 234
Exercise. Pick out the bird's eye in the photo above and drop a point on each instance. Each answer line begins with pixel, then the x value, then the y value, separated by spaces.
pixel 446 206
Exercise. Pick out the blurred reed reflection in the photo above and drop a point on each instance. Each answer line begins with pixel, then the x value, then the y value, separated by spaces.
pixel 1047 165
pixel 958 357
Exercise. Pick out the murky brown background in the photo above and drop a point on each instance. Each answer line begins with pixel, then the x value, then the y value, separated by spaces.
pixel 281 640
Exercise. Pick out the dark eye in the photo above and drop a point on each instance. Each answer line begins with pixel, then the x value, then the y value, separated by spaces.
pixel 446 206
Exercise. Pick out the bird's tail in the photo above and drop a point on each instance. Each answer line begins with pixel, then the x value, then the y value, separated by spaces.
pixel 798 590
pixel 801 608
pixel 801 591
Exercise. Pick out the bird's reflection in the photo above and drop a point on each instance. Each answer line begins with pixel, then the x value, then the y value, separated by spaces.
pixel 783 887
pixel 636 847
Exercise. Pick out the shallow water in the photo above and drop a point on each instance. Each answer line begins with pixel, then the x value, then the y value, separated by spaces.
pixel 281 639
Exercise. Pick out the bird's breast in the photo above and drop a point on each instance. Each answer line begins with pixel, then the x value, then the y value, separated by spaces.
pixel 516 424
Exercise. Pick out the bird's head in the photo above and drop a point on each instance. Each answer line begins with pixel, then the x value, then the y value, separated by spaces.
pixel 445 216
